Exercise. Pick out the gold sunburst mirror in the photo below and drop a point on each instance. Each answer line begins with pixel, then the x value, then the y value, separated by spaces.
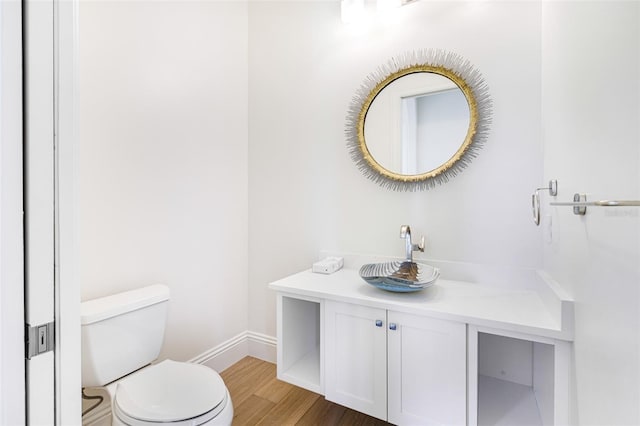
pixel 418 120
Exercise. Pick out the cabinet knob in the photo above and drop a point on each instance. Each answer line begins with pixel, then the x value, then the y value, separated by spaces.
pixel 378 323
pixel 392 326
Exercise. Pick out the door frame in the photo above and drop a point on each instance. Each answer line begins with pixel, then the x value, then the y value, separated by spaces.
pixel 12 368
pixel 67 290
pixel 68 405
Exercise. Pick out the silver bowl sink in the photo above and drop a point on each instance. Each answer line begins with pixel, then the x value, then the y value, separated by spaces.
pixel 400 276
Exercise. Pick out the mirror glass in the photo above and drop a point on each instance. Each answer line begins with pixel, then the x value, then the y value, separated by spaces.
pixel 416 123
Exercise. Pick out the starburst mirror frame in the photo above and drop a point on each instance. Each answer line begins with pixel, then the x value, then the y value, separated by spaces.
pixel 447 64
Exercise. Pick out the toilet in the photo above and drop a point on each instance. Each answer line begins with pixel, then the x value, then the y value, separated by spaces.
pixel 121 336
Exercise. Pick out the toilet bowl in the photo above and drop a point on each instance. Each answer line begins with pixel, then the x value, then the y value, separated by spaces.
pixel 174 393
pixel 121 335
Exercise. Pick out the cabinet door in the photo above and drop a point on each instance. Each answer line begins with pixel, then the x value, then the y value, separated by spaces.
pixel 356 357
pixel 427 371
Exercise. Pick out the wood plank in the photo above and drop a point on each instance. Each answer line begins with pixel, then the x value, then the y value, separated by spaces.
pixel 260 399
pixel 243 378
pixel 274 390
pixel 252 410
pixel 354 418
pixel 322 412
pixel 291 408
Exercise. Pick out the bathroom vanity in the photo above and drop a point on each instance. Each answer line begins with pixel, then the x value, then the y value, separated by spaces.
pixel 455 353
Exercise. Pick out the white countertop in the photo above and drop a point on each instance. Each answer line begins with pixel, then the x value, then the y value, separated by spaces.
pixel 519 309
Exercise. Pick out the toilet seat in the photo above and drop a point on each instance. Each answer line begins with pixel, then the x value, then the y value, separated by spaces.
pixel 170 392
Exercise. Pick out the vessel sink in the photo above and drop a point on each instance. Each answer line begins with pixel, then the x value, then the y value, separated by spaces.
pixel 399 276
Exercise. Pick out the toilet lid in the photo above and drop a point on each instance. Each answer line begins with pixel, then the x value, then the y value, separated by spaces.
pixel 170 391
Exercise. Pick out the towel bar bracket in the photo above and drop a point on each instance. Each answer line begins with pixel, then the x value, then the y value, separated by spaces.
pixel 535 199
pixel 579 210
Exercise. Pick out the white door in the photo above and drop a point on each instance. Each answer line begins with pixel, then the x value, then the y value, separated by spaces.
pixel 356 357
pixel 39 205
pixel 427 371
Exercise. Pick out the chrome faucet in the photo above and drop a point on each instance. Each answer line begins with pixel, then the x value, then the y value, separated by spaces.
pixel 405 232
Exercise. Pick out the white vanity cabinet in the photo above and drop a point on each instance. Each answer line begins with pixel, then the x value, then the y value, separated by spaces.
pixel 403 368
pixel 427 376
pixel 356 357
pixel 455 354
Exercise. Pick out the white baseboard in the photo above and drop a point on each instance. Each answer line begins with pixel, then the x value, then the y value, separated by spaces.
pixel 262 346
pixel 247 343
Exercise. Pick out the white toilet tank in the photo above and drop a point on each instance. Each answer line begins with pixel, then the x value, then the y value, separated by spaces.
pixel 122 333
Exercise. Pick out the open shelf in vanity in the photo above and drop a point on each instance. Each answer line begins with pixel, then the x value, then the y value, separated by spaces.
pixel 516 379
pixel 299 338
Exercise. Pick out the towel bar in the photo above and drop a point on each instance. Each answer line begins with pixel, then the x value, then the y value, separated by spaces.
pixel 580 203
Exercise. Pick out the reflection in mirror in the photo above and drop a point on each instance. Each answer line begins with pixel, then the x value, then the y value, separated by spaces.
pixel 418 120
pixel 416 123
pixel 433 126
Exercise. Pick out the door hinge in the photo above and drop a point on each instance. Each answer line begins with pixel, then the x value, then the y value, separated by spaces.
pixel 39 339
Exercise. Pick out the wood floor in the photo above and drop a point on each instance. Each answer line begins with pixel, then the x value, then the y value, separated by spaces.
pixel 261 399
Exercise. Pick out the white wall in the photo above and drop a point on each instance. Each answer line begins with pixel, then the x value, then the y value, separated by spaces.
pixel 166 148
pixel 163 161
pixel 591 105
pixel 305 193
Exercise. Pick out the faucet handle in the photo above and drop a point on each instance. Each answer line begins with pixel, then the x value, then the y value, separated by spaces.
pixel 420 246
